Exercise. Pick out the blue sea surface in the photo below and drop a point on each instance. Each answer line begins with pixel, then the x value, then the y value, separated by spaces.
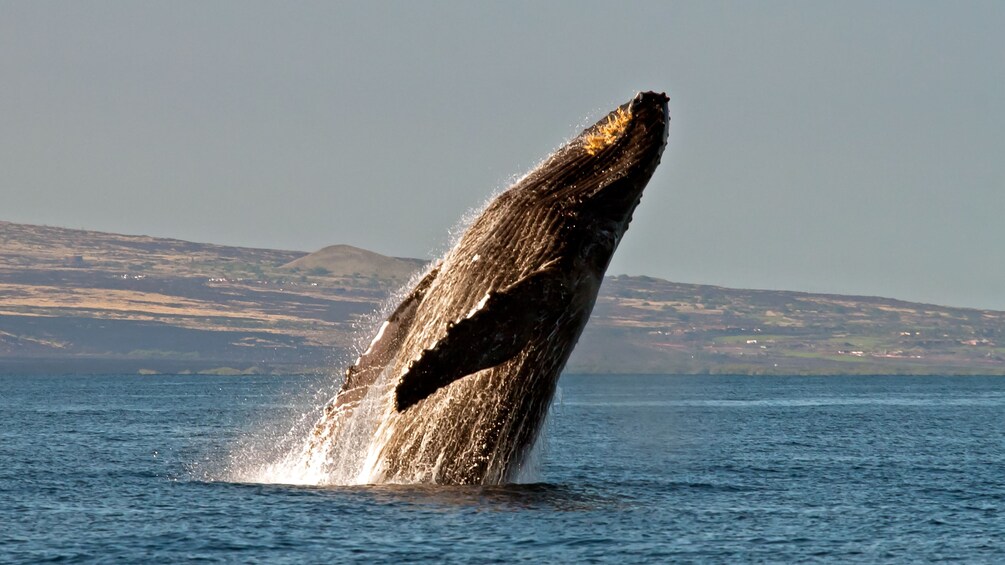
pixel 633 469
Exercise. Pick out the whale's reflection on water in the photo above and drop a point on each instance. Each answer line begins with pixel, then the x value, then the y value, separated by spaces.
pixel 479 498
pixel 544 496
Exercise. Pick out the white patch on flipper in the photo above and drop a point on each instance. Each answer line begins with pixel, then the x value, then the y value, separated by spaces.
pixel 376 338
pixel 480 305
pixel 476 258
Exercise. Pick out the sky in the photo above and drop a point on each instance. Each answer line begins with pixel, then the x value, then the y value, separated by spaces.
pixel 841 147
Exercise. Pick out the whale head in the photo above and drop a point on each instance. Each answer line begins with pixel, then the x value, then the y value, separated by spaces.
pixel 595 181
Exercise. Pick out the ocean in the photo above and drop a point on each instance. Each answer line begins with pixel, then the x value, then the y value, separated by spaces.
pixel 630 469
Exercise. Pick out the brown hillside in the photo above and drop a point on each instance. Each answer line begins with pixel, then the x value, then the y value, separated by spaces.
pixel 346 261
pixel 74 301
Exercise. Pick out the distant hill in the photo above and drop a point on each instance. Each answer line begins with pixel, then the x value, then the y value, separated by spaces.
pixel 654 326
pixel 74 301
pixel 346 260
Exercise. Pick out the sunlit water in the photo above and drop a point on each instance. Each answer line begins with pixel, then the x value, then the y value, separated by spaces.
pixel 633 469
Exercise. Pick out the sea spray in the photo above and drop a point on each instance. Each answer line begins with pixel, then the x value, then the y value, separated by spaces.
pixel 268 455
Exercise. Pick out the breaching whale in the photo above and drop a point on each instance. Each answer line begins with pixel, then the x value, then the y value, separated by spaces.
pixel 463 370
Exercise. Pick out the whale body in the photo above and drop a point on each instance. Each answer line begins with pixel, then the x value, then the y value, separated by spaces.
pixel 464 369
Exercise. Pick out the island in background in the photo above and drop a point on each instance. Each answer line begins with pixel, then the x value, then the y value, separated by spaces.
pixel 74 301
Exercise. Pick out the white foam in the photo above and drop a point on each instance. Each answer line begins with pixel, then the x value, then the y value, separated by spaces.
pixel 380 334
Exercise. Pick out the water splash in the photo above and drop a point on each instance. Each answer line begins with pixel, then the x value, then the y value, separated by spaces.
pixel 349 456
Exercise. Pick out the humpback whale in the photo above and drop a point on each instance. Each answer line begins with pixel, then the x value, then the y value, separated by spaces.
pixel 459 378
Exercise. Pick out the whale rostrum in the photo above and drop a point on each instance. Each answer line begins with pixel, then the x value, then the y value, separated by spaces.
pixel 459 377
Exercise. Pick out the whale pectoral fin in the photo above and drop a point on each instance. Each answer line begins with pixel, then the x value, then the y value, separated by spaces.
pixel 494 332
pixel 371 363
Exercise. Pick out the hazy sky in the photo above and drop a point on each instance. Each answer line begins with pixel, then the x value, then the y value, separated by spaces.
pixel 845 147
